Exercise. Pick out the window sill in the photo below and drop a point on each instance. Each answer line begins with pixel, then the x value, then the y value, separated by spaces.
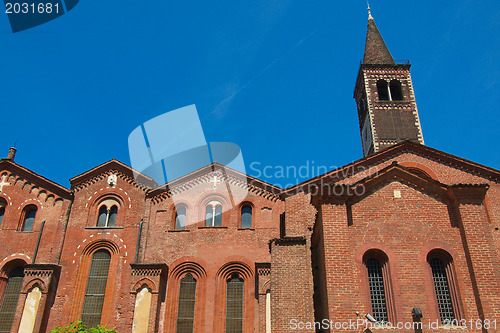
pixel 253 229
pixel 25 232
pixel 178 230
pixel 210 227
pixel 103 228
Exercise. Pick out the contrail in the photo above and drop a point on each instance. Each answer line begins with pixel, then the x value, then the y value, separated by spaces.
pixel 261 72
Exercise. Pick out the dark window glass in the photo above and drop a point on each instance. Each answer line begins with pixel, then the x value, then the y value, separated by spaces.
pixel 209 216
pixel 377 291
pixel 383 92
pixel 234 305
pixel 180 218
pixel 442 289
pixel 2 213
pixel 396 91
pixel 246 217
pixel 218 216
pixel 112 216
pixel 185 311
pixel 29 219
pixel 103 216
pixel 96 288
pixel 10 299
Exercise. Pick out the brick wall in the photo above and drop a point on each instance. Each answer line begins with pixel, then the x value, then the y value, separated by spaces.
pixel 312 264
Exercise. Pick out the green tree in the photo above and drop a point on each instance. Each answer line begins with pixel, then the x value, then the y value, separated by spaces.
pixel 79 326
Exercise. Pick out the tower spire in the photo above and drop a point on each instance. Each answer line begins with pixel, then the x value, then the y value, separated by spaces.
pixel 387 111
pixel 376 52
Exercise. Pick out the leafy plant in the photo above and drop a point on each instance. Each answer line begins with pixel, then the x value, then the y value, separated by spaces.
pixel 80 327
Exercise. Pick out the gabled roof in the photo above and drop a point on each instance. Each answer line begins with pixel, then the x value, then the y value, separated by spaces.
pixel 253 183
pixel 10 165
pixel 376 52
pixel 141 180
pixel 394 171
pixel 403 147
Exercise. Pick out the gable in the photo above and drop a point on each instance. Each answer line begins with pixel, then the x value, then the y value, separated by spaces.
pixel 419 159
pixel 217 179
pixel 16 176
pixel 107 169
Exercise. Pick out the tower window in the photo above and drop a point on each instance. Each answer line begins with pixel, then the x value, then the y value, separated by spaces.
pixel 107 217
pixel 389 92
pixel 377 289
pixel 180 217
pixel 396 91
pixel 383 91
pixel 186 309
pixel 234 305
pixel 29 218
pixel 10 298
pixel 246 216
pixel 442 287
pixel 213 214
pixel 96 288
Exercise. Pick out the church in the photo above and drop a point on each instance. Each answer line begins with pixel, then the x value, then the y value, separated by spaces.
pixel 406 238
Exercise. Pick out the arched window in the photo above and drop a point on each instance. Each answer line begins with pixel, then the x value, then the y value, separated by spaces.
pixel 234 304
pixel 209 216
pixel 185 310
pixel 246 216
pixel 112 216
pixel 96 288
pixel 10 299
pixel 383 92
pixel 103 216
pixel 3 205
pixel 377 289
pixel 29 218
pixel 107 217
pixel 213 214
pixel 180 217
pixel 218 216
pixel 396 91
pixel 446 294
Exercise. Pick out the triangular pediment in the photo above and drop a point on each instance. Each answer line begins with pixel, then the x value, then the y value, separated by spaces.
pixel 442 167
pixel 213 173
pixel 112 167
pixel 20 172
pixel 397 173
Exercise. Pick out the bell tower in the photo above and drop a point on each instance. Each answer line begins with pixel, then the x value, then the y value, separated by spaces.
pixel 387 110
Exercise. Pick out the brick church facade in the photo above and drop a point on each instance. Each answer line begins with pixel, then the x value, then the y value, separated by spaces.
pixel 406 234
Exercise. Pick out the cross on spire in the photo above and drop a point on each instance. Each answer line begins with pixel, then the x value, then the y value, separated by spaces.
pixel 3 182
pixel 215 181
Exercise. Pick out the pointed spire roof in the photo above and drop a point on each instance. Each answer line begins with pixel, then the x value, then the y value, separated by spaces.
pixel 376 52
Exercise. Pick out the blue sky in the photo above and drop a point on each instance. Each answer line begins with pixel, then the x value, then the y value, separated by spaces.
pixel 274 77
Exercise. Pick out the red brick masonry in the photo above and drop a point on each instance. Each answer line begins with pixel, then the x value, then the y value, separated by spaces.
pixel 307 244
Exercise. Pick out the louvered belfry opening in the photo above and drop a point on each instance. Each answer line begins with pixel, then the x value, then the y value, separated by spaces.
pixel 185 311
pixel 442 288
pixel 234 305
pixel 377 290
pixel 96 288
pixel 10 299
